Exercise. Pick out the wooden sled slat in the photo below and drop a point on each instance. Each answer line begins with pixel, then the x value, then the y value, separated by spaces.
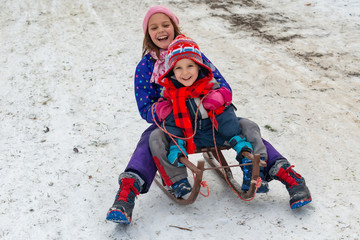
pixel 226 173
pixel 222 168
pixel 198 173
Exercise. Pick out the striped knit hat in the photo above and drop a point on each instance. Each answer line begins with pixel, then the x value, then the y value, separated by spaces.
pixel 182 47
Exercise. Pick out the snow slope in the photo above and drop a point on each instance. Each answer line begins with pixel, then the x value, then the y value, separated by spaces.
pixel 69 121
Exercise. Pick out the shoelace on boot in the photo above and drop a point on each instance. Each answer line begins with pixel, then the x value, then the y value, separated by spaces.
pixel 127 185
pixel 289 169
pixel 284 175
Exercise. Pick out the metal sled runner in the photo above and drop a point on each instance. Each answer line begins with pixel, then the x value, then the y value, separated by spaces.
pixel 217 161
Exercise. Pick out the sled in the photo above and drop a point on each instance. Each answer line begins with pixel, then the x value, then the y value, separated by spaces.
pixel 217 161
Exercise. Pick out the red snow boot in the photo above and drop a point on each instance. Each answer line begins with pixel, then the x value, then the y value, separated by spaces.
pixel 121 210
pixel 294 182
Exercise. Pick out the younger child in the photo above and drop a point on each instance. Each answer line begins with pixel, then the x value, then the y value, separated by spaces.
pixel 186 81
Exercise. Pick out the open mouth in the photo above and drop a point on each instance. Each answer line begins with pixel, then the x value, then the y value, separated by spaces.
pixel 163 38
pixel 187 78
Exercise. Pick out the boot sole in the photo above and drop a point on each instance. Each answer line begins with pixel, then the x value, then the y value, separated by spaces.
pixel 118 216
pixel 300 203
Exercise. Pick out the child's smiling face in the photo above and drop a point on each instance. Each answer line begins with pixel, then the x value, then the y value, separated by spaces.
pixel 186 71
pixel 161 30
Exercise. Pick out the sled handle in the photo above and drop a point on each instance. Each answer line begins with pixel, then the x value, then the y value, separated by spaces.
pixel 190 165
pixel 250 156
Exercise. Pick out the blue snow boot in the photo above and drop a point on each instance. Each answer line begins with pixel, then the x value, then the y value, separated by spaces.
pixel 181 188
pixel 294 182
pixel 241 145
pixel 121 210
pixel 247 173
pixel 264 187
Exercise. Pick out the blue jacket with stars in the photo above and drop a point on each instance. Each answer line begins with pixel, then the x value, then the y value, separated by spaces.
pixel 147 93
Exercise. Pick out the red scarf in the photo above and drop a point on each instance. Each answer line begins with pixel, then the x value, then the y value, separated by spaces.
pixel 181 112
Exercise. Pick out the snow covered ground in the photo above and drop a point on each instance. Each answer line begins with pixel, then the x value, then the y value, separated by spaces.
pixel 69 122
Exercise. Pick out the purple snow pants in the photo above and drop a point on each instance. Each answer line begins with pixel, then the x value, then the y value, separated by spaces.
pixel 142 163
pixel 273 156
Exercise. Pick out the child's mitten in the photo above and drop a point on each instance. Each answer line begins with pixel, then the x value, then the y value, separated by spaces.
pixel 217 98
pixel 163 108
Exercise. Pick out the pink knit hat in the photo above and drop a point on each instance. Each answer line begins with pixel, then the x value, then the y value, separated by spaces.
pixel 159 9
